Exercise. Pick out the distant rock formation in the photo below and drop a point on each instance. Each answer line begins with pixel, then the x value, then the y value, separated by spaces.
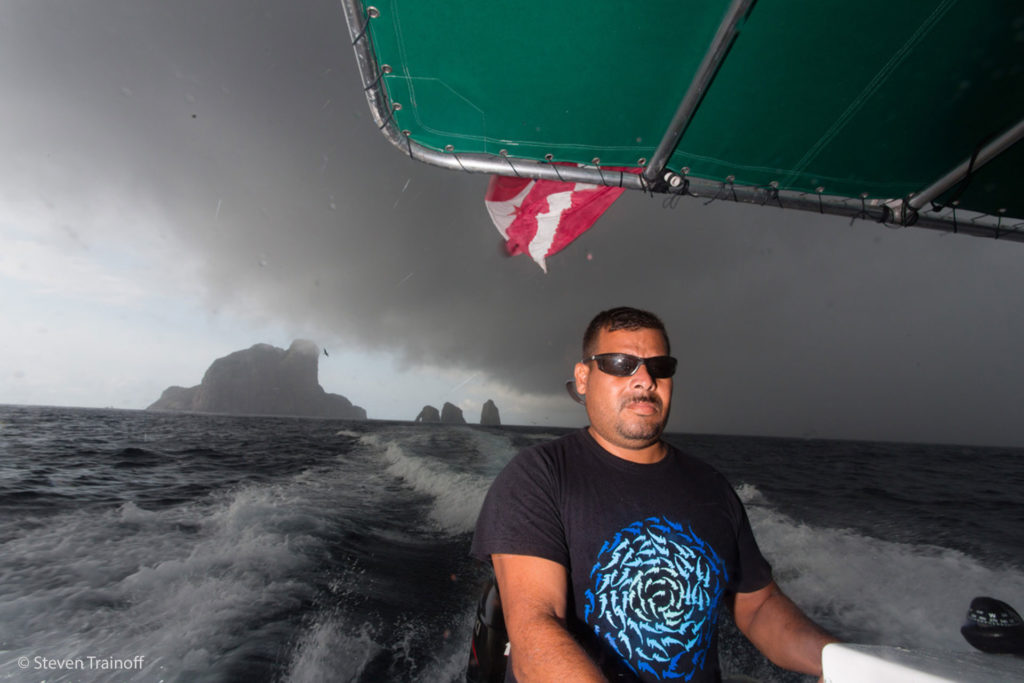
pixel 262 380
pixel 452 415
pixel 489 414
pixel 428 414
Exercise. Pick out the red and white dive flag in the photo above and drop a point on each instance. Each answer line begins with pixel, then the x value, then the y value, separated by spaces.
pixel 541 217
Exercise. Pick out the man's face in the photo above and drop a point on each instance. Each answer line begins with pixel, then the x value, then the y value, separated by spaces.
pixel 628 412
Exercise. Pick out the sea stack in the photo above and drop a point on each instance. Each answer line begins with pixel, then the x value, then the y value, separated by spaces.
pixel 489 414
pixel 428 414
pixel 452 415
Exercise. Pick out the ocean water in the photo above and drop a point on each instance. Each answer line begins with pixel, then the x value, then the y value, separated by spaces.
pixel 142 546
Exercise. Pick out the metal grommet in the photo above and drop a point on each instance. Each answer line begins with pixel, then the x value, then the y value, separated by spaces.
pixel 406 132
pixel 642 161
pixel 372 12
pixel 549 157
pixel 730 179
pixel 819 189
pixel 596 161
pixel 397 106
pixel 774 184
pixel 503 152
pixel 386 68
pixel 449 148
pixel 686 170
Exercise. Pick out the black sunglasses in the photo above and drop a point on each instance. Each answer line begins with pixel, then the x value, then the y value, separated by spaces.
pixel 625 365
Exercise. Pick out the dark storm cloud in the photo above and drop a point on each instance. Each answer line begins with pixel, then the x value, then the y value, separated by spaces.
pixel 245 123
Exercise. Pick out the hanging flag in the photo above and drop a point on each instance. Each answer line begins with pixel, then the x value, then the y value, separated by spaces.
pixel 541 217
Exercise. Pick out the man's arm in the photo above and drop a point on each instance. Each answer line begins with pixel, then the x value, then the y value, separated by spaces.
pixel 777 627
pixel 534 598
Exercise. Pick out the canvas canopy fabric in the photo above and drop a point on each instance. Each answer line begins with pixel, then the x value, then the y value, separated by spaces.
pixel 860 105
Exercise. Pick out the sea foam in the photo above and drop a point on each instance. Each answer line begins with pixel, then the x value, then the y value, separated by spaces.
pixel 876 591
pixel 457 496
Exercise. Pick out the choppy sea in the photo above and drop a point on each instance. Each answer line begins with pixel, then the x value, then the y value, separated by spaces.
pixel 140 546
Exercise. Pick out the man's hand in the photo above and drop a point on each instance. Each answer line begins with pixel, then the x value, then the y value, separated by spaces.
pixel 534 598
pixel 777 627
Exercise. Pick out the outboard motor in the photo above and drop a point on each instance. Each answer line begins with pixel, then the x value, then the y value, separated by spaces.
pixel 488 654
pixel 993 626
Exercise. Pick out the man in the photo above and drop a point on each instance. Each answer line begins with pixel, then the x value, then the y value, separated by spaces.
pixel 614 551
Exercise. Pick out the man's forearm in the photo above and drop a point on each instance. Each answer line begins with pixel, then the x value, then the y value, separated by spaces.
pixel 543 650
pixel 784 634
pixel 534 594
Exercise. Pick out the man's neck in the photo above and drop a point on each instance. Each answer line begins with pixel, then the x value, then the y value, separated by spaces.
pixel 643 455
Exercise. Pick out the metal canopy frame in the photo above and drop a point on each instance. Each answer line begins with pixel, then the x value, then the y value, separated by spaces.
pixel 713 58
pixel 965 169
pixel 917 209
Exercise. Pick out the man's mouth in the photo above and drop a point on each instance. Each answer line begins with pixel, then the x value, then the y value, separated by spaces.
pixel 644 404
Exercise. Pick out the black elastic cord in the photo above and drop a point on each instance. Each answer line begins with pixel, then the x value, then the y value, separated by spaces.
pixel 645 186
pixel 672 201
pixel 721 192
pixel 863 213
pixel 362 31
pixel 380 75
pixel 961 186
pixel 509 161
pixel 391 115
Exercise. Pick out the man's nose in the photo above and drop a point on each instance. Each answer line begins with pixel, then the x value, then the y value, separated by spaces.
pixel 642 378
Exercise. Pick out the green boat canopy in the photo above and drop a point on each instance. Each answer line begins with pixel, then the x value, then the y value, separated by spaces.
pixel 902 112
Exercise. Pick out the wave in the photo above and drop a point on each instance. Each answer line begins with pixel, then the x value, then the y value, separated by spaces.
pixel 875 591
pixel 457 496
pixel 750 495
pixel 194 589
pixel 330 651
pixel 495 449
pixel 132 457
pixel 340 648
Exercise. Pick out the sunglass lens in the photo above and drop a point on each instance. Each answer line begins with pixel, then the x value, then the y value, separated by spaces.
pixel 661 367
pixel 619 364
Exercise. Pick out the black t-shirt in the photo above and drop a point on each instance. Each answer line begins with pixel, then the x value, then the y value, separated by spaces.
pixel 651 550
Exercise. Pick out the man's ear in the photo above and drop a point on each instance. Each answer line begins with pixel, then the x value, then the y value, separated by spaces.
pixel 581 373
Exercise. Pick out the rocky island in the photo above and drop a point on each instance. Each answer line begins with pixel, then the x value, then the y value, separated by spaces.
pixel 262 380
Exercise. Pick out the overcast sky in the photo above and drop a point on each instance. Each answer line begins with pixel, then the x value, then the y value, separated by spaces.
pixel 180 180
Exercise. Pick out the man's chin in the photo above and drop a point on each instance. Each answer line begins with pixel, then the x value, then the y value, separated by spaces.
pixel 642 434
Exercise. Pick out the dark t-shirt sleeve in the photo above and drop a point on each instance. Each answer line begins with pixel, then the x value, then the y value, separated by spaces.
pixel 520 515
pixel 753 571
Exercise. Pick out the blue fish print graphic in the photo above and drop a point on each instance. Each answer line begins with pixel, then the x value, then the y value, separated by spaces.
pixel 653 598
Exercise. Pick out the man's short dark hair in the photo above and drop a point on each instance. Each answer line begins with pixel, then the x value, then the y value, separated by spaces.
pixel 621 318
